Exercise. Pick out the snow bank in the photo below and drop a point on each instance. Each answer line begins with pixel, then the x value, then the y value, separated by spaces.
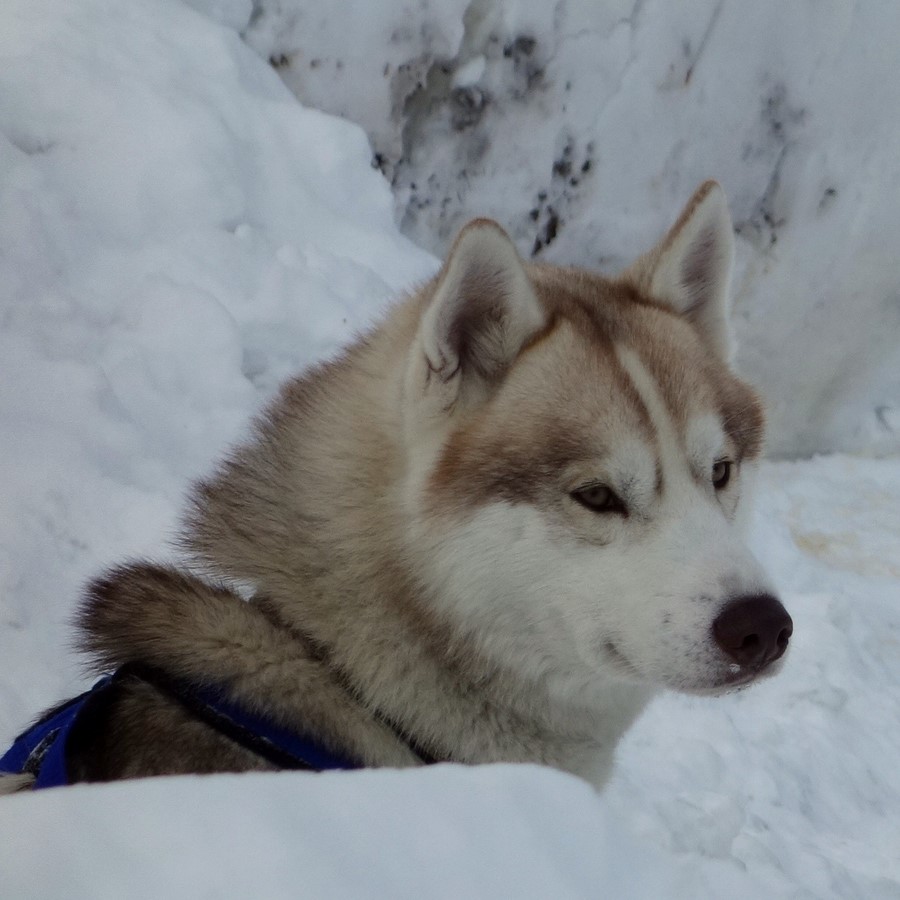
pixel 176 235
pixel 451 832
pixel 584 126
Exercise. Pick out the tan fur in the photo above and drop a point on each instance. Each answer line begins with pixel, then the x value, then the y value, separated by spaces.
pixel 421 422
pixel 210 636
pixel 13 784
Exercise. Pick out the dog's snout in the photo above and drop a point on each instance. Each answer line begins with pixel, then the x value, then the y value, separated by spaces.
pixel 753 631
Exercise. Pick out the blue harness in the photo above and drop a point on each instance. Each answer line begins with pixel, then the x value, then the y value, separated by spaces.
pixel 42 750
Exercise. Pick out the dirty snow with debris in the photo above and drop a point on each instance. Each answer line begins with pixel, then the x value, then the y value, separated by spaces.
pixel 582 125
pixel 177 235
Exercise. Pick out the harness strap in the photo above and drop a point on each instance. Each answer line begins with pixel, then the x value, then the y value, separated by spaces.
pixel 41 749
pixel 283 748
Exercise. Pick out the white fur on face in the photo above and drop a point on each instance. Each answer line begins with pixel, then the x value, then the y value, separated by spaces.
pixel 704 442
pixel 576 597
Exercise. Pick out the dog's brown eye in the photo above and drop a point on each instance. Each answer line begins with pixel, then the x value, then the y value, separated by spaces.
pixel 721 473
pixel 599 498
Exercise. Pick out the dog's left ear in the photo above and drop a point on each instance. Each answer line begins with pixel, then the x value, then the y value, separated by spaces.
pixel 483 310
pixel 690 269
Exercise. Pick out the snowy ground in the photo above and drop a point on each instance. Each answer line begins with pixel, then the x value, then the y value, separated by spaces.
pixel 176 235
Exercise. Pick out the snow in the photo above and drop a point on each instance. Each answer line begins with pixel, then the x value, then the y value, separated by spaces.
pixel 177 234
pixel 274 837
pixel 583 126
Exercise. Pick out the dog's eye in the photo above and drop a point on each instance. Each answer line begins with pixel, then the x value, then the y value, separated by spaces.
pixel 721 473
pixel 599 498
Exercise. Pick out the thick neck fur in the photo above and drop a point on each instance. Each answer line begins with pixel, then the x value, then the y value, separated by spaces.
pixel 312 513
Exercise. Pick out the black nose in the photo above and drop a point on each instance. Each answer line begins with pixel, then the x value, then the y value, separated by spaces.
pixel 753 631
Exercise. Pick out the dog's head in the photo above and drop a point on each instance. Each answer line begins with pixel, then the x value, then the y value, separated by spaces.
pixel 579 452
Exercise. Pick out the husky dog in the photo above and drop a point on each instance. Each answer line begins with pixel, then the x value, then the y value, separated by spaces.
pixel 490 530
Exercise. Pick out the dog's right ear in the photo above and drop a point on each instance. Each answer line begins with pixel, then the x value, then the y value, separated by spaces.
pixel 690 269
pixel 483 310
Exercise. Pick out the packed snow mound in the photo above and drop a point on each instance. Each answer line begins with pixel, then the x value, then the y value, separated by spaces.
pixel 584 126
pixel 177 235
pixel 449 832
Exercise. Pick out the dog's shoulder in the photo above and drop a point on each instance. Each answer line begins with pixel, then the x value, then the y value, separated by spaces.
pixel 175 640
